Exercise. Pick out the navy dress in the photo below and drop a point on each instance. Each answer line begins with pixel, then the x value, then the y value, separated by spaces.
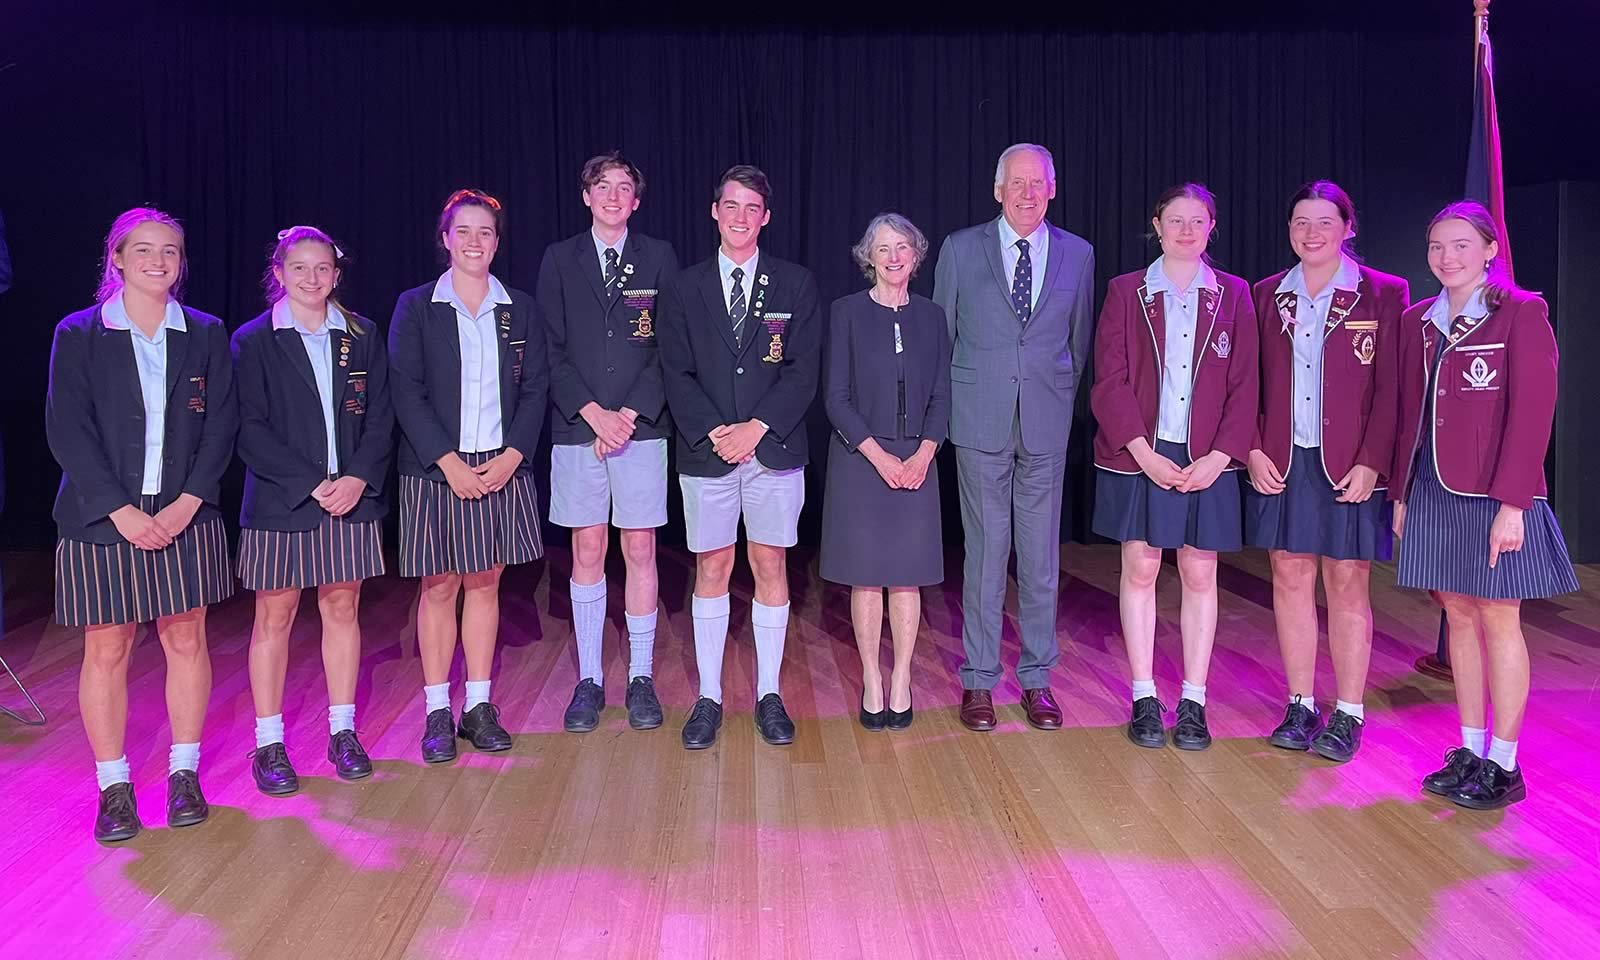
pixel 872 535
pixel 1446 538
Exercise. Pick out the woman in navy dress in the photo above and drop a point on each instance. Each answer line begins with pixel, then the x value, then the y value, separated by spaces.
pixel 1329 333
pixel 1175 395
pixel 1477 399
pixel 888 398
pixel 141 417
pixel 316 434
pixel 469 376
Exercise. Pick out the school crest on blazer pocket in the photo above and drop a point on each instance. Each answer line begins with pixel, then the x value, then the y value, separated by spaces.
pixel 519 349
pixel 1482 368
pixel 776 324
pixel 644 326
pixel 197 399
pixel 356 403
pixel 1222 344
pixel 1363 340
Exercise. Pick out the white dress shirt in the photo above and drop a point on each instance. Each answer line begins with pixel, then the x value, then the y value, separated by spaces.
pixel 1307 337
pixel 1181 310
pixel 1439 313
pixel 725 267
pixel 319 350
pixel 480 365
pixel 150 357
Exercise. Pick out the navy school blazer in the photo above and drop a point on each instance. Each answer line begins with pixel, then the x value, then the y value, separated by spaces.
pixel 282 434
pixel 603 348
pixel 425 378
pixel 94 421
pixel 771 375
pixel 862 388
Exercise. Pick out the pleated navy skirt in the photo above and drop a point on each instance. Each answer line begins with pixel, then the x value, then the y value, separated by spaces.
pixel 1307 516
pixel 335 551
pixel 441 533
pixel 1445 545
pixel 99 584
pixel 1131 507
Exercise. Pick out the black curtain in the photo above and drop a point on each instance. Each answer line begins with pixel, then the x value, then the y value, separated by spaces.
pixel 242 126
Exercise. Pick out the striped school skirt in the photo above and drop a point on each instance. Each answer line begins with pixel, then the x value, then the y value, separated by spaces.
pixel 335 551
pixel 1307 516
pixel 1445 545
pixel 98 584
pixel 441 533
pixel 1131 507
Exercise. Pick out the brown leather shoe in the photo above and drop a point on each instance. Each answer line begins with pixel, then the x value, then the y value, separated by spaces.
pixel 1041 708
pixel 977 710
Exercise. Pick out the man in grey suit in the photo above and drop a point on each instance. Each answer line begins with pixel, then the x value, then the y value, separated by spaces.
pixel 1017 293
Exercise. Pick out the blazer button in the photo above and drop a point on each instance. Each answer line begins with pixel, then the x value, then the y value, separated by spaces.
pixel 740 370
pixel 610 334
pixel 1326 422
pixel 1439 422
pixel 1441 393
pixel 1013 379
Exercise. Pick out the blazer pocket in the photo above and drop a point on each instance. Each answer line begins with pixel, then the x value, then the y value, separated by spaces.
pixel 356 403
pixel 1065 378
pixel 1220 347
pixel 1479 373
pixel 963 374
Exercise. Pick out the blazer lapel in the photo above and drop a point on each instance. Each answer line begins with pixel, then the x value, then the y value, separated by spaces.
pixel 177 350
pixel 991 251
pixel 1210 307
pixel 119 343
pixel 1052 270
pixel 717 307
pixel 588 264
pixel 1154 307
pixel 763 288
pixel 445 314
pixel 293 349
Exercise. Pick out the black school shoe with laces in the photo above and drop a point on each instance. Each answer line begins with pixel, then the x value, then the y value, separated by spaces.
pixel 1300 726
pixel 481 727
pixel 439 737
pixel 1191 732
pixel 644 708
pixel 583 713
pixel 118 817
pixel 705 719
pixel 186 805
pixel 349 758
pixel 1490 787
pixel 772 721
pixel 1459 766
pixel 273 773
pixel 1146 728
pixel 1340 740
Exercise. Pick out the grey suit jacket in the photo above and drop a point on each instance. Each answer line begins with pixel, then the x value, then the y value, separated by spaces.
pixel 1000 364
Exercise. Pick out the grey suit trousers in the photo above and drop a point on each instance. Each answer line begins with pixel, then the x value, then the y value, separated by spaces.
pixel 1010 498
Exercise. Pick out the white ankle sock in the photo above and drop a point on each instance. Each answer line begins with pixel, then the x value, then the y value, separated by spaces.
pixel 1472 738
pixel 269 730
pixel 1194 692
pixel 184 756
pixel 1357 710
pixel 588 626
pixel 341 716
pixel 1306 700
pixel 710 637
pixel 436 696
pixel 771 626
pixel 641 644
pixel 1503 752
pixel 1143 688
pixel 109 772
pixel 477 692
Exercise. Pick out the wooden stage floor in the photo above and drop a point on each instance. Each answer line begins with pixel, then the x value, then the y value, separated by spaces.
pixel 934 842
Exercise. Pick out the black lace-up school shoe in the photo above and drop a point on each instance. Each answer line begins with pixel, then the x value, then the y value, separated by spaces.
pixel 772 721
pixel 644 709
pixel 1300 726
pixel 1490 787
pixel 1341 739
pixel 118 818
pixel 583 713
pixel 349 758
pixel 705 719
pixel 439 737
pixel 272 770
pixel 1146 729
pixel 1459 766
pixel 186 805
pixel 1191 732
pixel 480 726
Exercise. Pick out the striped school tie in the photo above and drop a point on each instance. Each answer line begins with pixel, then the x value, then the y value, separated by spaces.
pixel 737 308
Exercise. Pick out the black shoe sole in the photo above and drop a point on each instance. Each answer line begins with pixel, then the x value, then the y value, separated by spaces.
pixel 1150 744
pixel 1335 757
pixel 579 727
pixel 280 791
pixel 894 723
pixel 1506 801
pixel 120 835
pixel 489 749
pixel 642 724
pixel 1438 791
pixel 439 757
pixel 349 777
pixel 189 821
pixel 1192 745
pixel 700 746
pixel 1043 726
pixel 978 727
pixel 1285 744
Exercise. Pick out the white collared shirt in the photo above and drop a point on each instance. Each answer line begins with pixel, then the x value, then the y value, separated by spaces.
pixel 319 350
pixel 1038 254
pixel 600 248
pixel 150 357
pixel 1439 313
pixel 1181 309
pixel 480 365
pixel 1307 336
pixel 750 281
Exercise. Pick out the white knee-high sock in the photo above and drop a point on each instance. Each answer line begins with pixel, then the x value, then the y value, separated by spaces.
pixel 710 638
pixel 588 625
pixel 641 644
pixel 771 627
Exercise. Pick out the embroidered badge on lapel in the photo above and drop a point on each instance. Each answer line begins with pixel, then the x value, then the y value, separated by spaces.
pixel 1223 346
pixel 1461 328
pixel 344 350
pixel 1287 302
pixel 1343 302
pixel 1148 299
pixel 505 324
pixel 761 296
pixel 622 278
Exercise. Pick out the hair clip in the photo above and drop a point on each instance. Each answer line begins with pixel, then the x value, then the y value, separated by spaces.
pixel 337 253
pixel 479 196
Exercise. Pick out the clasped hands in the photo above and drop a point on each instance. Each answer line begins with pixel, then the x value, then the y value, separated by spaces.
pixel 899 474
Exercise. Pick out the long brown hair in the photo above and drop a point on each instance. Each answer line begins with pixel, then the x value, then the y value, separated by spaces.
pixel 1497 282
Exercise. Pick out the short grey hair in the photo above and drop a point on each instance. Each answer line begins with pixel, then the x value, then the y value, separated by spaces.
pixel 862 251
pixel 1016 148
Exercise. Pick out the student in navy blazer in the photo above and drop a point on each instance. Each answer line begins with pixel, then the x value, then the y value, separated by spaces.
pixel 741 344
pixel 609 425
pixel 141 417
pixel 316 435
pixel 469 374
